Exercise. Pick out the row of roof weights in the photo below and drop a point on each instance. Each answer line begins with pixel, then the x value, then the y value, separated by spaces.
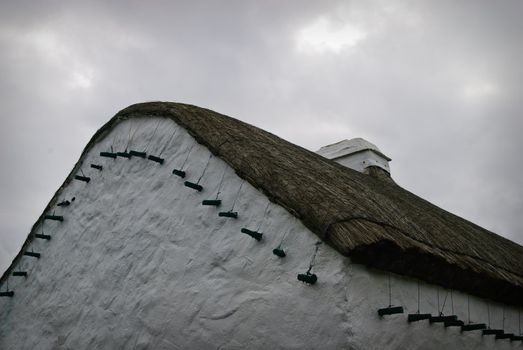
pixel 306 277
pixel 450 320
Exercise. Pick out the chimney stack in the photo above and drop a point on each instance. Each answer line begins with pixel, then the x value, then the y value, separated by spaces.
pixel 358 154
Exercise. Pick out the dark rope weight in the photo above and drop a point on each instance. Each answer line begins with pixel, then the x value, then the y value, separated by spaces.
pixel 82 178
pixel 418 316
pixel 54 217
pixel 108 155
pixel 180 172
pixel 499 333
pixel 124 154
pixel 7 293
pixel 456 322
pixel 192 185
pixel 308 277
pixel 254 234
pixel 471 326
pixel 65 203
pixel 441 318
pixel 19 273
pixel 33 254
pixel 42 235
pixel 278 251
pixel 231 213
pixel 215 202
pixel 196 186
pixel 156 159
pixel 504 335
pixel 138 154
pixel 390 310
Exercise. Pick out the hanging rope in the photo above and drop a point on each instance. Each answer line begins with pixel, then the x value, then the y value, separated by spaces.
pixel 437 293
pixel 21 265
pixel 205 168
pixel 221 181
pixel 151 138
pixel 43 235
pixel 418 316
pixel 264 214
pixel 308 277
pixel 488 314
pixel 444 302
pixel 283 238
pixel 391 310
pixel 519 321
pixel 468 308
pixel 7 293
pixel 451 302
pixel 187 158
pixel 170 140
pixel 112 144
pixel 313 259
pixel 129 137
pixel 418 298
pixel 390 292
pixel 134 152
pixel 278 251
pixel 237 196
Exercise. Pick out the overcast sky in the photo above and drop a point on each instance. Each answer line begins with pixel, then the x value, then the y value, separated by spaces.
pixel 436 85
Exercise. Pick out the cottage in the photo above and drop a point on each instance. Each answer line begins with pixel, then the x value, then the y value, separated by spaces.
pixel 193 230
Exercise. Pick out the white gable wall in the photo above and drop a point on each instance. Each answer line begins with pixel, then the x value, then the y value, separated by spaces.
pixel 139 263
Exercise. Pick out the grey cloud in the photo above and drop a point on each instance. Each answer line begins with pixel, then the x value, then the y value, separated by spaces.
pixel 434 84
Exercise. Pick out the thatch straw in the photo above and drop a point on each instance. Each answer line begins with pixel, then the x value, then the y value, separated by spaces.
pixel 373 221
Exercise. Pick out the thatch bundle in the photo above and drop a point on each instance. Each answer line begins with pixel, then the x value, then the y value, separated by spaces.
pixel 373 221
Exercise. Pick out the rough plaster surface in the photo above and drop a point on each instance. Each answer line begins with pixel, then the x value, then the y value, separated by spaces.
pixel 139 263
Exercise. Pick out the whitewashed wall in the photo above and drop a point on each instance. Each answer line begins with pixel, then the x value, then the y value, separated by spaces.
pixel 139 263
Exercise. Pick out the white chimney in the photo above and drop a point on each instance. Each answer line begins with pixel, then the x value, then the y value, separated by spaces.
pixel 357 154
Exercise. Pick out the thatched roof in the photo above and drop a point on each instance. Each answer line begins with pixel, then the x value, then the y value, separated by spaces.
pixel 374 222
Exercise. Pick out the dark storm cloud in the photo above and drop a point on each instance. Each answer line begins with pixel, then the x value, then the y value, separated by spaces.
pixel 435 84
